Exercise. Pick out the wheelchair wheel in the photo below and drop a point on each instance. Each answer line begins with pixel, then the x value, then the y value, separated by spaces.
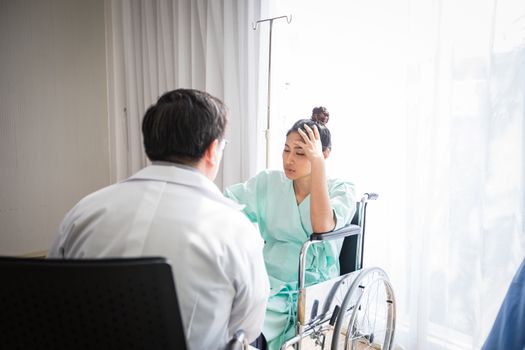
pixel 367 316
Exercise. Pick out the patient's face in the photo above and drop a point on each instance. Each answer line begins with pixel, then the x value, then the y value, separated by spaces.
pixel 295 163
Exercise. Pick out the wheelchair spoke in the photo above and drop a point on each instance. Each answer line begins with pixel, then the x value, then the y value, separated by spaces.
pixel 367 322
pixel 376 306
pixel 373 315
pixel 367 310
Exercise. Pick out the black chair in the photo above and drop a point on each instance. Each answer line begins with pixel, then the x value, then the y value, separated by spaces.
pixel 127 303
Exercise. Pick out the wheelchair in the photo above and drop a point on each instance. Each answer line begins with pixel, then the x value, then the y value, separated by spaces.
pixel 356 310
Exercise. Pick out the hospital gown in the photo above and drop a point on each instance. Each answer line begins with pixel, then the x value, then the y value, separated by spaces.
pixel 285 225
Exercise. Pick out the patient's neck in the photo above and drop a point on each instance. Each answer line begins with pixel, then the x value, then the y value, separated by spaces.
pixel 302 188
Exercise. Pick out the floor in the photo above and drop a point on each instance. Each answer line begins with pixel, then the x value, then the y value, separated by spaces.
pixel 309 344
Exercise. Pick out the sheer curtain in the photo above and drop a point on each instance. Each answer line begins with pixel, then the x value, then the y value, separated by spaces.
pixel 465 112
pixel 427 108
pixel 156 46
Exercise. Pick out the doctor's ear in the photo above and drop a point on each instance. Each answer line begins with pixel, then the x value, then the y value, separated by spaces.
pixel 326 153
pixel 211 154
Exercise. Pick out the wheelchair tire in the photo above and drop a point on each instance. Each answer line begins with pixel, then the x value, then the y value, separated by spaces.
pixel 367 315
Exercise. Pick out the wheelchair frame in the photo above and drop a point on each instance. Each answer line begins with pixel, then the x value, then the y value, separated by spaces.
pixel 350 282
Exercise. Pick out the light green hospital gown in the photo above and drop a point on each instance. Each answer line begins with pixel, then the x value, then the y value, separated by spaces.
pixel 270 202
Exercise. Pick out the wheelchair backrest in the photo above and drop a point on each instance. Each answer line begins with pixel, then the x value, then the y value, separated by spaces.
pixel 351 256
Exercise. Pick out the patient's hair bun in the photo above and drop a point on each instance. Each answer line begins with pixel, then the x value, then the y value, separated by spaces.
pixel 320 115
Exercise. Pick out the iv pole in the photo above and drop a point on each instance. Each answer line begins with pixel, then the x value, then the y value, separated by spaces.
pixel 267 131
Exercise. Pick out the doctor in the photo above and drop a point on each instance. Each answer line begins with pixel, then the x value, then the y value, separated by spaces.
pixel 173 209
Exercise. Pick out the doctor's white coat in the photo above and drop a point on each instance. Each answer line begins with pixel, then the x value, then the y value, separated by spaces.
pixel 176 212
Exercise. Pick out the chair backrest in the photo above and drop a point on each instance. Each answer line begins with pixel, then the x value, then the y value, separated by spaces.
pixel 351 256
pixel 127 303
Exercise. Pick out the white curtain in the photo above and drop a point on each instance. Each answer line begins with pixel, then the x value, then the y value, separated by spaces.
pixel 160 45
pixel 465 118
pixel 427 108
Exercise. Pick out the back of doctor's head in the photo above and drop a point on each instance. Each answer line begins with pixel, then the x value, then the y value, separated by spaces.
pixel 182 124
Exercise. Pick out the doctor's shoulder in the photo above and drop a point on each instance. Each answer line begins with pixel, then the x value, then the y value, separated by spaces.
pixel 95 195
pixel 98 195
pixel 95 202
pixel 89 205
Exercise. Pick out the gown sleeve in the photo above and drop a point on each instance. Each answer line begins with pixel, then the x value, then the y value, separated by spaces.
pixel 342 199
pixel 247 193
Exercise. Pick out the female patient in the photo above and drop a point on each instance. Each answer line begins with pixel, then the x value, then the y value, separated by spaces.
pixel 288 206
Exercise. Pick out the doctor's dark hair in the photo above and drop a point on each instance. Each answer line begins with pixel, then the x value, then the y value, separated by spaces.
pixel 182 125
pixel 319 118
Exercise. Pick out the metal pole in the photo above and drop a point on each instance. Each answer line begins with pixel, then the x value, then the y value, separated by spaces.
pixel 267 131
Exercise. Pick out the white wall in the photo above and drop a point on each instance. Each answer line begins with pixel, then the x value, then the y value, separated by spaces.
pixel 53 115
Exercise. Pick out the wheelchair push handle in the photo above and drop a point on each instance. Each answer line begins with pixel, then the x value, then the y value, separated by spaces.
pixel 369 197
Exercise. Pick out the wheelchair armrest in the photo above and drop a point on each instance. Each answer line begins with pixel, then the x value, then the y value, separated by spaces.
pixel 346 231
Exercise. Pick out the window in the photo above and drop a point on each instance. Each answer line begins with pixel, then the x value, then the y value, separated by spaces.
pixel 426 102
